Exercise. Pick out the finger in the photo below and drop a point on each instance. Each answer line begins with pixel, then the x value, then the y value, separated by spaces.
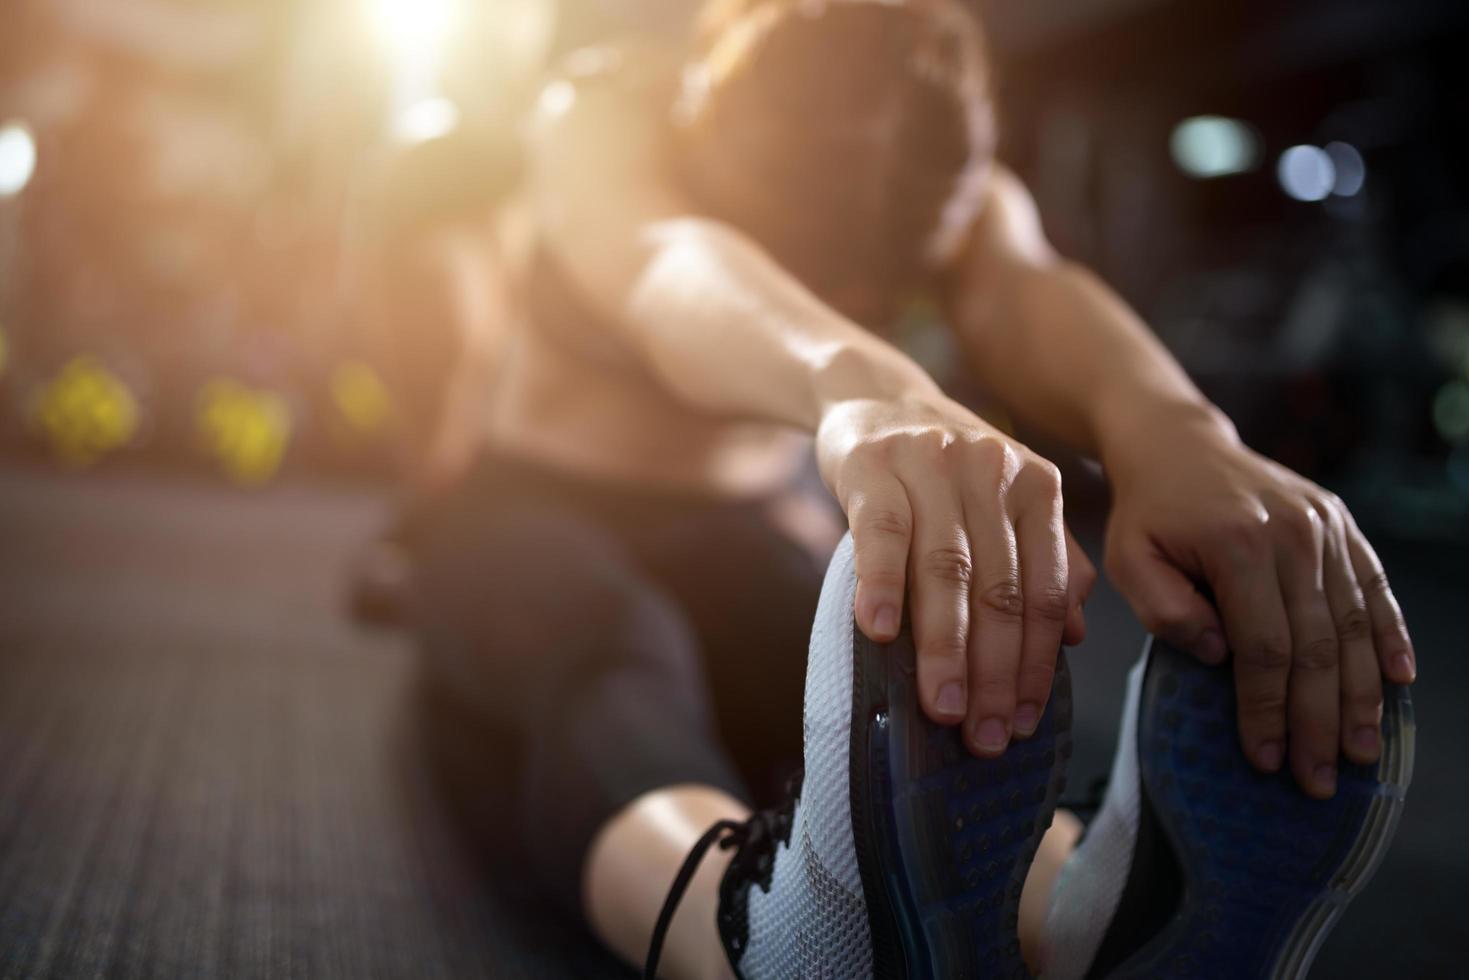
pixel 882 531
pixel 997 629
pixel 1081 578
pixel 1258 631
pixel 940 570
pixel 1166 600
pixel 1041 544
pixel 1314 697
pixel 1361 683
pixel 1389 632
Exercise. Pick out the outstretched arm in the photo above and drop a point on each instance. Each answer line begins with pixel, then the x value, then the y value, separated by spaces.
pixel 946 511
pixel 1301 596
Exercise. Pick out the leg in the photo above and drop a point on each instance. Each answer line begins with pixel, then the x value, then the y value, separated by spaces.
pixel 541 622
pixel 1055 848
pixel 632 862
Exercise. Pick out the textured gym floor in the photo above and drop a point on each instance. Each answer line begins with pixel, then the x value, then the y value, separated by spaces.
pixel 206 770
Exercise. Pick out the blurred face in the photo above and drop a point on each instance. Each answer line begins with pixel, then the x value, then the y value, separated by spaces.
pixel 851 138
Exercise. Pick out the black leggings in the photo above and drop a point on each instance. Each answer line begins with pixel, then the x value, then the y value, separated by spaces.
pixel 586 644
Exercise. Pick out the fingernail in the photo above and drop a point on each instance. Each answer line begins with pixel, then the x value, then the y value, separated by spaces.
pixel 1402 666
pixel 1364 740
pixel 1027 716
pixel 1271 755
pixel 1210 648
pixel 951 700
pixel 1324 778
pixel 886 621
pixel 990 735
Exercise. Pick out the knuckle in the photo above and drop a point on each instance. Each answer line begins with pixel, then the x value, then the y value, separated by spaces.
pixel 1329 503
pixel 1317 654
pixel 949 644
pixel 989 456
pixel 1263 706
pixel 1300 527
pixel 931 444
pixel 1048 604
pixel 1038 675
pixel 1242 536
pixel 1267 653
pixel 880 521
pixel 1354 625
pixel 952 566
pixel 1003 599
pixel 1043 477
pixel 1375 585
pixel 884 578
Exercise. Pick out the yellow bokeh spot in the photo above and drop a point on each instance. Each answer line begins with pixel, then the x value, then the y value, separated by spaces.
pixel 246 429
pixel 86 411
pixel 361 397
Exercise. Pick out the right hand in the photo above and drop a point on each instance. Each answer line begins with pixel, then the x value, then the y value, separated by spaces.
pixel 968 521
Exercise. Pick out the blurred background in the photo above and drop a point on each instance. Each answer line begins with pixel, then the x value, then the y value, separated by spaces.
pixel 224 346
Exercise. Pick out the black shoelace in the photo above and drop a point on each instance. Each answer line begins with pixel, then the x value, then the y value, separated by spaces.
pixel 755 841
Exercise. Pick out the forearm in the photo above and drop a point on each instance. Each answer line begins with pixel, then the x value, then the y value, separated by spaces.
pixel 729 331
pixel 1066 354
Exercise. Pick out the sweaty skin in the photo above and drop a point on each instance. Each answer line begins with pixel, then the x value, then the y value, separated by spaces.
pixel 734 367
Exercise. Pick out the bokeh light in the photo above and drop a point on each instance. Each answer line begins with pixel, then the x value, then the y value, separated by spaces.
pixel 425 120
pixel 1306 173
pixel 86 411
pixel 1214 146
pixel 247 430
pixel 362 398
pixel 416 29
pixel 1351 169
pixel 17 157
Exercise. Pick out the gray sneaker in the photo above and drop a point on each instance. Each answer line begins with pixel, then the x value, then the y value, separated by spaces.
pixel 900 855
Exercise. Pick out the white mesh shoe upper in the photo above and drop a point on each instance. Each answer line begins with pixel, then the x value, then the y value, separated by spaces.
pixel 1090 885
pixel 812 923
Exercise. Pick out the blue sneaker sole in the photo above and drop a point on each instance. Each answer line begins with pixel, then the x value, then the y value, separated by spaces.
pixel 1266 870
pixel 944 839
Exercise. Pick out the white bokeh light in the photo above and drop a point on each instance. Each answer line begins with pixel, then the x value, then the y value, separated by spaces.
pixel 1306 173
pixel 426 120
pixel 17 157
pixel 1351 169
pixel 1214 146
pixel 417 28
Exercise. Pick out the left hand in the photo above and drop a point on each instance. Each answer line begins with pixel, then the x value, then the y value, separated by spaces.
pixel 1302 598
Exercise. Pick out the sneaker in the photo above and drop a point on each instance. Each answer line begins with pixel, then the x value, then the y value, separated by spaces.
pixel 899 855
pixel 1199 866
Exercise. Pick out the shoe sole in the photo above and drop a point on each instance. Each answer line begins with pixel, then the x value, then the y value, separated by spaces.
pixel 944 839
pixel 1266 870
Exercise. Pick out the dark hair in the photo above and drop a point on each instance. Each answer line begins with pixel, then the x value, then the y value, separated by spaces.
pixel 836 132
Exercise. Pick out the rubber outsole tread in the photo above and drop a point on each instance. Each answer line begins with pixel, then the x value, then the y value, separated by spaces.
pixel 1266 869
pixel 949 837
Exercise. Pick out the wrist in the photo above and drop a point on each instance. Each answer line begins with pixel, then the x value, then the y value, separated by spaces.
pixel 1137 432
pixel 871 372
